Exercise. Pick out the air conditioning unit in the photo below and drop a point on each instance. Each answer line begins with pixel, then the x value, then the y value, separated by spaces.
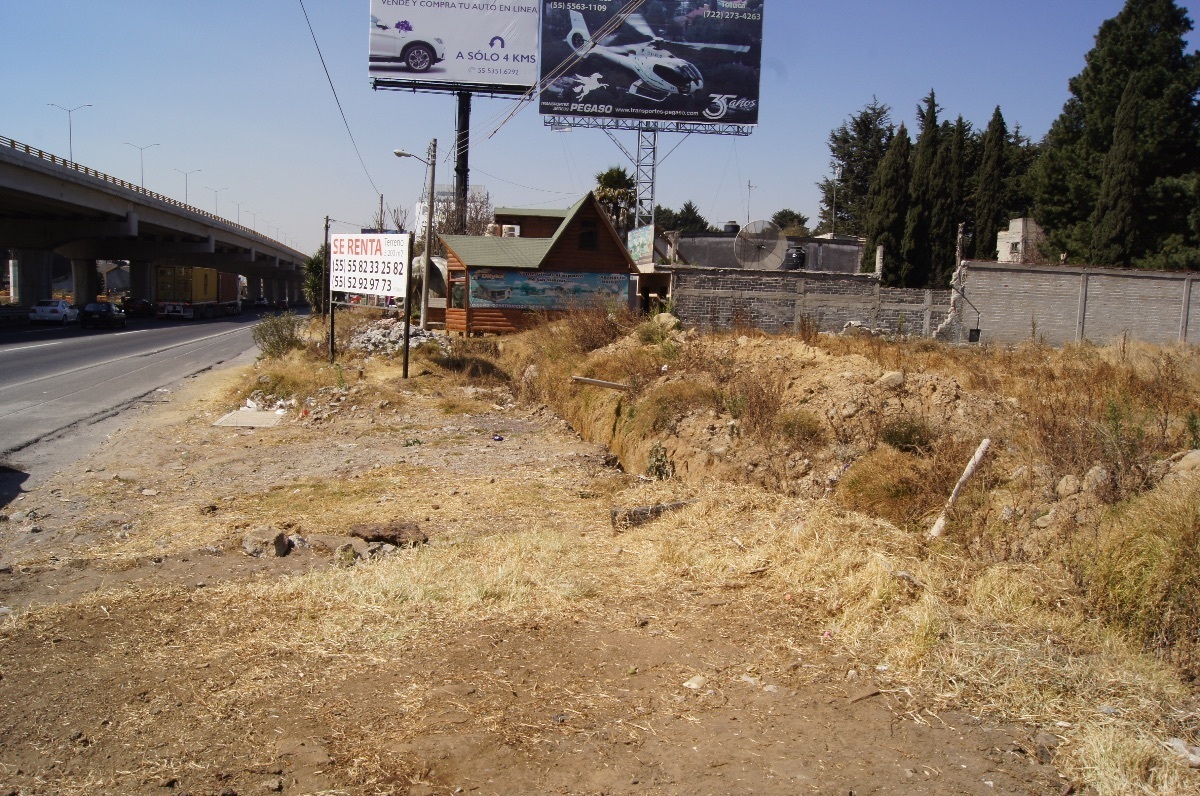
pixel 511 231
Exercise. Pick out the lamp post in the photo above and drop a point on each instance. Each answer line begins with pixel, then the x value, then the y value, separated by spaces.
pixel 185 182
pixel 432 159
pixel 216 193
pixel 837 175
pixel 142 158
pixel 70 127
pixel 239 207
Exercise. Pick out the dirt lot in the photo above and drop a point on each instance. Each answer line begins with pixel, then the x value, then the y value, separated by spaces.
pixel 527 648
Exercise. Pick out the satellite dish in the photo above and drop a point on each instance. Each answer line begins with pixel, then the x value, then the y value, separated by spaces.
pixel 760 246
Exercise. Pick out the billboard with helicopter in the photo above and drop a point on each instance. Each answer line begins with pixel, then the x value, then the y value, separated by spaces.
pixel 668 60
pixel 443 44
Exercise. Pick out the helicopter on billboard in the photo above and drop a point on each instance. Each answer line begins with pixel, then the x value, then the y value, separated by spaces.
pixel 658 73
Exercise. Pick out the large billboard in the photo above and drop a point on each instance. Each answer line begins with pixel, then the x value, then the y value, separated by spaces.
pixel 432 43
pixel 669 61
pixel 369 265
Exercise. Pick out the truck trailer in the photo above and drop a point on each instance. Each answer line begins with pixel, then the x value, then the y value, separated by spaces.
pixel 184 291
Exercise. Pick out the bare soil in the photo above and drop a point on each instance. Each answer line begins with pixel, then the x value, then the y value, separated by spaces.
pixel 147 653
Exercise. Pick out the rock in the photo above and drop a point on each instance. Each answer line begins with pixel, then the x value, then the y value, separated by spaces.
pixel 149 492
pixel 890 381
pixel 18 516
pixel 1188 463
pixel 1044 746
pixel 1096 480
pixel 266 541
pixel 667 321
pixel 274 785
pixel 1069 485
pixel 381 550
pixel 345 556
pixel 696 683
pixel 398 533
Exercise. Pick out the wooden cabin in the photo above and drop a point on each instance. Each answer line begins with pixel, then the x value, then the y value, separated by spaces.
pixel 544 262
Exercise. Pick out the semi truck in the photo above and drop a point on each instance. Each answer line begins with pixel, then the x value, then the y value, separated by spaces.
pixel 184 291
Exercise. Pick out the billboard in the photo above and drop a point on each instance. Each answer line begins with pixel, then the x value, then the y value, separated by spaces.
pixel 369 265
pixel 430 43
pixel 670 61
pixel 545 290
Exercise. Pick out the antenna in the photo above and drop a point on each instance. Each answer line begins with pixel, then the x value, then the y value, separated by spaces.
pixel 761 246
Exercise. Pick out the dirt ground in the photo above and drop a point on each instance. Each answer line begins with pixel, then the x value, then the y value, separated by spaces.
pixel 146 652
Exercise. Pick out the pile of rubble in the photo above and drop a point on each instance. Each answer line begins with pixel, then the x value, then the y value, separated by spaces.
pixel 386 336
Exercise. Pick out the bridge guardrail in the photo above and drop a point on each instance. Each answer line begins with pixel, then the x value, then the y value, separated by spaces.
pixel 99 175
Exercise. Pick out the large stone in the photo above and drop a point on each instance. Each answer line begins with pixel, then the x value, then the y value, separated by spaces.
pixel 1189 463
pixel 1067 486
pixel 266 541
pixel 1097 479
pixel 890 381
pixel 399 533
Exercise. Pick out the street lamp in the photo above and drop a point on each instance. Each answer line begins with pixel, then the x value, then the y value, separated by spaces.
pixel 70 127
pixel 837 175
pixel 239 207
pixel 430 160
pixel 216 193
pixel 185 182
pixel 142 157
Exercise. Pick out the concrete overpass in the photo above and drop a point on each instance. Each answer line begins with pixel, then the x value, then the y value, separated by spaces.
pixel 49 206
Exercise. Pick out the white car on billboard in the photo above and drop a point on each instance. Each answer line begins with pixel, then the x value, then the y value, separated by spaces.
pixel 400 43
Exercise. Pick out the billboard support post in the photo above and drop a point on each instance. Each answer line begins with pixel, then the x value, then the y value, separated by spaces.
pixel 462 140
pixel 647 165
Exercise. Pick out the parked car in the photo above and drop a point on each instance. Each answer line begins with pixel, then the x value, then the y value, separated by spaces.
pixel 53 311
pixel 138 308
pixel 102 313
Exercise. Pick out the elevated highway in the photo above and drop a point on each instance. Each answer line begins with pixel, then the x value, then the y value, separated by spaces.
pixel 49 205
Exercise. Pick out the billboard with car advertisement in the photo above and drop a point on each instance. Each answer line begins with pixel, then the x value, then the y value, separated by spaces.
pixel 668 61
pixel 434 43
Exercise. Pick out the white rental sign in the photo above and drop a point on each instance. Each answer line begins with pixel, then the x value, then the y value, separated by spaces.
pixel 455 42
pixel 369 265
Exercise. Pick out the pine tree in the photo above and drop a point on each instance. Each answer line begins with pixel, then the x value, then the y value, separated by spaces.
pixel 887 207
pixel 990 208
pixel 1147 37
pixel 857 148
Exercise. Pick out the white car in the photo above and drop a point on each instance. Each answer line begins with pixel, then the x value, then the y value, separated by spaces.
pixel 53 311
pixel 401 43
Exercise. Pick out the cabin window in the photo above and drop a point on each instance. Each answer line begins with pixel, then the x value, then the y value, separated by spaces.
pixel 588 238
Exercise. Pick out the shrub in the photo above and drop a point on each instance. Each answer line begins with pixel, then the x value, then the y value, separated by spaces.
pixel 668 403
pixel 276 335
pixel 908 434
pixel 799 429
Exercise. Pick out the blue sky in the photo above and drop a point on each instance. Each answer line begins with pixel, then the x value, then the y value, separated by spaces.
pixel 235 89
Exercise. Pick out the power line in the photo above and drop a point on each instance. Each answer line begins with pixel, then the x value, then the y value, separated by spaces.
pixel 345 121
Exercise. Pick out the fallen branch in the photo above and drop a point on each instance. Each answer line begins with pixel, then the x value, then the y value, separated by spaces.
pixel 940 525
pixel 611 385
pixel 627 518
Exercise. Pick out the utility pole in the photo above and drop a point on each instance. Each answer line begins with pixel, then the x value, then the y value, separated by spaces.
pixel 329 288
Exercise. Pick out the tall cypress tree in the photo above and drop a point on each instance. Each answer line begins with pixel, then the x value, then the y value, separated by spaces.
pixel 1146 37
pixel 990 209
pixel 923 191
pixel 1114 231
pixel 887 207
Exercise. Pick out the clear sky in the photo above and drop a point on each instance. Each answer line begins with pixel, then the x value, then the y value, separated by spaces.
pixel 235 89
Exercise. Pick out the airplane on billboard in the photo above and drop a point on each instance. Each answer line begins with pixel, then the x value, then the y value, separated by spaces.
pixel 659 72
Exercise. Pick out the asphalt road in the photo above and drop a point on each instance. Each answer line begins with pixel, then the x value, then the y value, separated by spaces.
pixel 59 385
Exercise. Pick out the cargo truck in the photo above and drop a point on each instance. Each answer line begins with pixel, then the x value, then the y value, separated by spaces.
pixel 184 291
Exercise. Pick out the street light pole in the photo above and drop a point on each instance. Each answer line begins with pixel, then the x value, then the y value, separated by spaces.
pixel 432 160
pixel 216 193
pixel 185 182
pixel 239 207
pixel 142 158
pixel 70 127
pixel 837 175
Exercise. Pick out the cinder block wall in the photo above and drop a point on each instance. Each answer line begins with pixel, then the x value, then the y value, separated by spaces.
pixel 1056 304
pixel 781 301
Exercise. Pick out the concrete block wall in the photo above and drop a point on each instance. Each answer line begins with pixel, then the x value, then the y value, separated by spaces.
pixel 779 302
pixel 1010 303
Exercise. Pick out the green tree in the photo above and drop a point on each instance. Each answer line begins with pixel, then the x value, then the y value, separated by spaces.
pixel 791 222
pixel 616 191
pixel 924 187
pixel 1114 231
pixel 990 204
pixel 856 149
pixel 1148 38
pixel 665 218
pixel 690 220
pixel 887 208
pixel 315 288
